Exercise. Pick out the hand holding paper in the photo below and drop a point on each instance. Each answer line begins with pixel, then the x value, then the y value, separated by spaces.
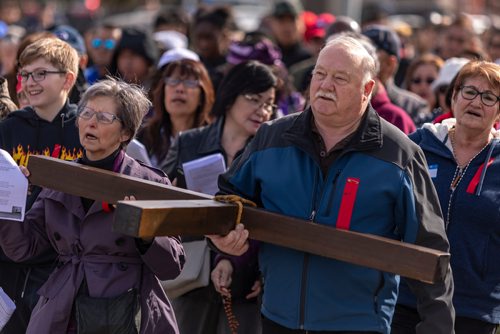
pixel 13 188
pixel 7 307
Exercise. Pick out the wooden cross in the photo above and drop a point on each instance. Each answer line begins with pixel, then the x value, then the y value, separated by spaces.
pixel 168 210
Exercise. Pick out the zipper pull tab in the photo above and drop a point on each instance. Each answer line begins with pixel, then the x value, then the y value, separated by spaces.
pixel 312 216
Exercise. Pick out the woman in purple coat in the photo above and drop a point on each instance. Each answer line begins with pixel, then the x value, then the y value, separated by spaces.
pixel 104 282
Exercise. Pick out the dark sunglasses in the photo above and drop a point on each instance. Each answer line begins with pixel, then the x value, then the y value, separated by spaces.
pixel 418 81
pixel 108 44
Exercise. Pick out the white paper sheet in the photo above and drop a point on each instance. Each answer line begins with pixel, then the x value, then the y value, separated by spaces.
pixel 13 189
pixel 7 307
pixel 201 174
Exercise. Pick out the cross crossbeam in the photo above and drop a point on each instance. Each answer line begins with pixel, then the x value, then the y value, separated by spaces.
pixel 167 210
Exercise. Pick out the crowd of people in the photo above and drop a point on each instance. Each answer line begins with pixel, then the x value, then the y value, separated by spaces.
pixel 354 125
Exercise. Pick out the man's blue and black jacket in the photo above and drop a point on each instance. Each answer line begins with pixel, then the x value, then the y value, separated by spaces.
pixel 378 185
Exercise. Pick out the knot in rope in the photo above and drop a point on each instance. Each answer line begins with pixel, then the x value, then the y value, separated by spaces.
pixel 235 199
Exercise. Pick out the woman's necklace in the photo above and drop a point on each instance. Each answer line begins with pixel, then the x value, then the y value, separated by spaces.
pixel 460 171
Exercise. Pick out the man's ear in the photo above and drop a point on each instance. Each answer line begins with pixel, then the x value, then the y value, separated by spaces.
pixel 368 88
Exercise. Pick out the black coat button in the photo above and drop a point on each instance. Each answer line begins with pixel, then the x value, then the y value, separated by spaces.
pixel 120 241
pixel 57 236
pixel 122 266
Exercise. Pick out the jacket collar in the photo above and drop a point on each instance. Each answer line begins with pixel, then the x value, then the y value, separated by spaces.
pixel 212 137
pixel 368 135
pixel 432 133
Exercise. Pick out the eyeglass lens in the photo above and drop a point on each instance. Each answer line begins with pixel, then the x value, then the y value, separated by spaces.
pixel 470 92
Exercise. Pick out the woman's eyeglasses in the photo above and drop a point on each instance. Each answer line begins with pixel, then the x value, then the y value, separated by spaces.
pixel 186 83
pixel 108 44
pixel 257 104
pixel 102 117
pixel 418 81
pixel 470 93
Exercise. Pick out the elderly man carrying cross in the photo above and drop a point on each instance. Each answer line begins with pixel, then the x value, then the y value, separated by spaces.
pixel 339 164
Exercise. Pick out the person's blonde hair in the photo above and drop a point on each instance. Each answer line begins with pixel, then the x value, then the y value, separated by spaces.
pixel 53 50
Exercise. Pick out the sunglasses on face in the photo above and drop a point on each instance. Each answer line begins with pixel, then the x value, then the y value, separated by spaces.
pixel 418 81
pixel 108 44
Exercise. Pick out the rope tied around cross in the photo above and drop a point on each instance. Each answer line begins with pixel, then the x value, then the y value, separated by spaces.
pixel 239 201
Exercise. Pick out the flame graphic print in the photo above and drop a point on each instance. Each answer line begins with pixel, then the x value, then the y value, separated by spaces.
pixel 20 156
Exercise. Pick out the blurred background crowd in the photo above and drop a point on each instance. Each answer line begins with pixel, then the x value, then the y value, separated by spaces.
pixel 108 32
pixel 221 64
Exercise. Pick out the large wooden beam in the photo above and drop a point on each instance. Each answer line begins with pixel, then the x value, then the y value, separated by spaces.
pixel 174 217
pixel 199 217
pixel 99 184
pixel 197 214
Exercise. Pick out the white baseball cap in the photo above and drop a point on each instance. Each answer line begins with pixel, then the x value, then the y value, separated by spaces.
pixel 450 68
pixel 175 55
pixel 171 39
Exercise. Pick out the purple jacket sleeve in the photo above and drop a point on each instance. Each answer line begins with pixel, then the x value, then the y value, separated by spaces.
pixel 21 241
pixel 165 257
pixel 239 262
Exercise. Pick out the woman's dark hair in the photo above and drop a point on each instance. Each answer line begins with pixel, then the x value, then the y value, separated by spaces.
pixel 250 77
pixel 158 129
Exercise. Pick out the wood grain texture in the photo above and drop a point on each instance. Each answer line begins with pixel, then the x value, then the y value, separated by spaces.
pixel 167 210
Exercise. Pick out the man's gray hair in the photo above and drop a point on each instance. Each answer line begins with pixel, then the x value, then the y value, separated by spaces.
pixel 131 102
pixel 369 61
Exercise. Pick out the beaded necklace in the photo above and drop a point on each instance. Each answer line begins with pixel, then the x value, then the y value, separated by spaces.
pixel 459 171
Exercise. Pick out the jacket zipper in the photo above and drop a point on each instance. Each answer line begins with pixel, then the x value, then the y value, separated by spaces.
pixel 305 267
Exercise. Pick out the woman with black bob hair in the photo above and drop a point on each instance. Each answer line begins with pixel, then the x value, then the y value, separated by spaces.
pixel 245 99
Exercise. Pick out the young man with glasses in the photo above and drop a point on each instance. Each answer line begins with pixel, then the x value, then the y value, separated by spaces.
pixel 47 71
